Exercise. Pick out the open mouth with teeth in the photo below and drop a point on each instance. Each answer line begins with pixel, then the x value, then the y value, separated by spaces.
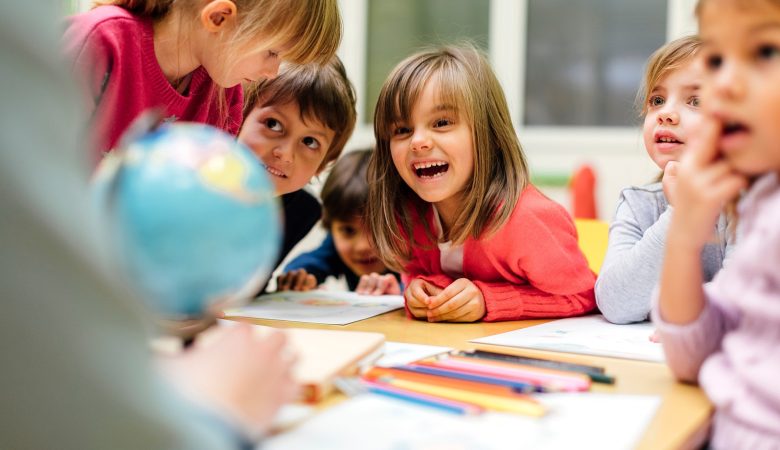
pixel 274 172
pixel 667 140
pixel 431 170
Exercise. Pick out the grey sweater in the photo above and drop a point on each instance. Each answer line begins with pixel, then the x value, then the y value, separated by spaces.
pixel 632 266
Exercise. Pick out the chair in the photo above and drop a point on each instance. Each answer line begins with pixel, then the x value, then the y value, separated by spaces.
pixel 592 238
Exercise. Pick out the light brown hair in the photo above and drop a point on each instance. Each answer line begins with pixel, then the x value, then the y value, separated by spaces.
pixel 670 57
pixel 323 93
pixel 466 81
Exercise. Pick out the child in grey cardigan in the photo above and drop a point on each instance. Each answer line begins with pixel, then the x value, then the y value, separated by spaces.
pixel 632 266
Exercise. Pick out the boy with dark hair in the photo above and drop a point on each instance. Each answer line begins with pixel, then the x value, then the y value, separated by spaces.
pixel 347 249
pixel 297 124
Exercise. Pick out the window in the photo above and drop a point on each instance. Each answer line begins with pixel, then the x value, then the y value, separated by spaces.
pixel 398 28
pixel 584 66
pixel 562 63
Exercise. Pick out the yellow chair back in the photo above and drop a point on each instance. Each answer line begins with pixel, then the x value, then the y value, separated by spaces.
pixel 593 235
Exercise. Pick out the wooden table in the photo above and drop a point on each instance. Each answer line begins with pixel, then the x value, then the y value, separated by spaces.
pixel 681 422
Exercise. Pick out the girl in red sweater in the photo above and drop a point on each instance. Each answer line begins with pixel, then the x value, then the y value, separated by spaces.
pixel 450 204
pixel 189 57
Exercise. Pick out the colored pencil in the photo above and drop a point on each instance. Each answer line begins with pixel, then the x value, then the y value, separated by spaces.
pixel 443 372
pixel 526 406
pixel 595 373
pixel 556 380
pixel 421 398
pixel 382 374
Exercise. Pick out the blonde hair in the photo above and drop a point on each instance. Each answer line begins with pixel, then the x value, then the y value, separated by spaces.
pixel 466 81
pixel 670 57
pixel 323 93
pixel 312 28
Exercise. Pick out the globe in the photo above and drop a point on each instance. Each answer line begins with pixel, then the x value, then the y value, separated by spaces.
pixel 193 215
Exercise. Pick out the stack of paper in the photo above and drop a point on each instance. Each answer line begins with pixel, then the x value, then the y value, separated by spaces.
pixel 325 307
pixel 590 335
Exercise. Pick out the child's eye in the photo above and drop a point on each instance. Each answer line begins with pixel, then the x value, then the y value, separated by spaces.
pixel 401 130
pixel 713 62
pixel 310 142
pixel 442 123
pixel 694 101
pixel 768 52
pixel 656 101
pixel 273 124
pixel 273 54
pixel 347 231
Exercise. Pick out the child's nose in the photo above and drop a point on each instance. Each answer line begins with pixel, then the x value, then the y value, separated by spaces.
pixel 668 116
pixel 283 152
pixel 420 141
pixel 729 82
pixel 363 245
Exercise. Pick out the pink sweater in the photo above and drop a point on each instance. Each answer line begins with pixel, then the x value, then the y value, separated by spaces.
pixel 112 52
pixel 531 267
pixel 733 348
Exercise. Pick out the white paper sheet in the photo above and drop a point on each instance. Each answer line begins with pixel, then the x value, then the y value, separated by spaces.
pixel 325 307
pixel 399 353
pixel 590 335
pixel 575 421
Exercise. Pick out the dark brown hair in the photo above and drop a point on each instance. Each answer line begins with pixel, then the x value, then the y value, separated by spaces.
pixel 322 93
pixel 345 193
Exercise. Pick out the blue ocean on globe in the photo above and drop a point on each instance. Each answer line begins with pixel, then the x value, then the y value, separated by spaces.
pixel 194 217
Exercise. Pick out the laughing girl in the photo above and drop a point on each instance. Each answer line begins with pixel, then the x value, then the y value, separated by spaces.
pixel 450 204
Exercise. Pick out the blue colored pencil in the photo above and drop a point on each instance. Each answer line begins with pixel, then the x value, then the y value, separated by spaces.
pixel 517 386
pixel 422 399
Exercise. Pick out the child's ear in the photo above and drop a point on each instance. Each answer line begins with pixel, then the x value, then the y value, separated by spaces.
pixel 216 15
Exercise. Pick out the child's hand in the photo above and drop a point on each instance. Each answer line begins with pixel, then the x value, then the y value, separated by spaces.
pixel 669 180
pixel 376 284
pixel 705 182
pixel 417 295
pixel 246 377
pixel 296 280
pixel 461 301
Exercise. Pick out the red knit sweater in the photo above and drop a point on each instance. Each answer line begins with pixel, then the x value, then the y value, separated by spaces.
pixel 530 268
pixel 113 58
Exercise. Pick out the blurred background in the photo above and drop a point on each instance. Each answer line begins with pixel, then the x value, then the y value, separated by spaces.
pixel 570 70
